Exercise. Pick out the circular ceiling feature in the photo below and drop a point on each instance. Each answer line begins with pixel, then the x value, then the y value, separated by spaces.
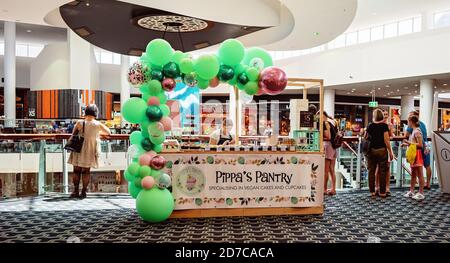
pixel 172 23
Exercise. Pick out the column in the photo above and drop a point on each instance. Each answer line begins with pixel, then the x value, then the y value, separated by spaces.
pixel 426 101
pixel 10 74
pixel 427 20
pixel 329 101
pixel 124 85
pixel 407 105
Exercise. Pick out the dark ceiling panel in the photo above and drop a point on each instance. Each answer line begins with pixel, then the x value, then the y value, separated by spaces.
pixel 112 25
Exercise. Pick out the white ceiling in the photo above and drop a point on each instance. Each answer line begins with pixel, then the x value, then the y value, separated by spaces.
pixel 37 34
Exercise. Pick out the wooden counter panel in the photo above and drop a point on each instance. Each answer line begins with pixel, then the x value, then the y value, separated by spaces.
pixel 228 212
pixel 239 152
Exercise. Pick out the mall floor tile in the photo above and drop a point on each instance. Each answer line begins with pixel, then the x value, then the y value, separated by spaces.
pixel 349 217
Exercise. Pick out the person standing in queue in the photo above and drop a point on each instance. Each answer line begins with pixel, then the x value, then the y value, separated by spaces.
pixel 330 154
pixel 416 167
pixel 425 149
pixel 388 172
pixel 88 158
pixel 380 151
pixel 222 135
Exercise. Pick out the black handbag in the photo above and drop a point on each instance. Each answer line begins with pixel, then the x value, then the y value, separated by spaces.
pixel 75 142
pixel 365 144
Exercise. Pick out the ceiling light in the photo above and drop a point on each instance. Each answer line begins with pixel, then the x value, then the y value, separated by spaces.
pixel 83 31
pixel 201 45
pixel 387 86
pixel 379 88
pixel 353 91
pixel 135 52
pixel 398 90
pixel 367 94
pixel 29 31
pixel 445 84
pixel 416 85
pixel 405 87
pixel 409 93
pixel 415 91
pixel 348 92
pixel 316 33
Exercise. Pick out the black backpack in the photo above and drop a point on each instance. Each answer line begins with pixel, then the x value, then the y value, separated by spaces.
pixel 337 137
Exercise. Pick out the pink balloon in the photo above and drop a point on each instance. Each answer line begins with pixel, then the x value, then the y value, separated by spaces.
pixel 273 80
pixel 214 82
pixel 167 123
pixel 146 158
pixel 168 84
pixel 153 101
pixel 147 182
pixel 158 162
pixel 260 91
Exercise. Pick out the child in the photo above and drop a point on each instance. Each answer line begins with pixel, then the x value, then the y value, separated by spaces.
pixel 417 166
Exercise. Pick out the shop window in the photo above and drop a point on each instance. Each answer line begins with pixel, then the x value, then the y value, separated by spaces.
pixel 364 36
pixel 339 42
pixel 417 24
pixel 442 19
pixel 351 38
pixel 391 30
pixel 116 59
pixel 405 27
pixel 376 33
pixel 33 51
pixel 21 50
pixel 106 57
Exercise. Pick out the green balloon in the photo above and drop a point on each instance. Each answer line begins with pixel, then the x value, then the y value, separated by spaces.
pixel 156 140
pixel 231 52
pixel 154 113
pixel 171 70
pixel 256 52
pixel 144 128
pixel 226 73
pixel 136 137
pixel 252 73
pixel 137 182
pixel 233 81
pixel 158 148
pixel 144 171
pixel 240 86
pixel 154 205
pixel 162 97
pixel 178 56
pixel 133 190
pixel 186 65
pixel 242 78
pixel 165 109
pixel 251 88
pixel 159 52
pixel 203 84
pixel 207 66
pixel 155 174
pixel 154 87
pixel 240 68
pixel 129 177
pixel 145 88
pixel 133 110
pixel 147 144
pixel 146 96
pixel 156 74
pixel 133 169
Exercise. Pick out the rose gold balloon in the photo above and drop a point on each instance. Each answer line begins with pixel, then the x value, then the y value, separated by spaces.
pixel 168 84
pixel 272 81
pixel 158 162
pixel 214 82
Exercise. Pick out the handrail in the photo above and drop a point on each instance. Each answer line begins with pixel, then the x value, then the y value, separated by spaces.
pixel 350 148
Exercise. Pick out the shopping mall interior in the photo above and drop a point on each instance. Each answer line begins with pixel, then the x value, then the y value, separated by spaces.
pixel 208 127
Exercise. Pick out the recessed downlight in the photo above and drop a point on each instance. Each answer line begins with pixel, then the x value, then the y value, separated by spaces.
pixel 29 31
pixel 387 86
pixel 445 84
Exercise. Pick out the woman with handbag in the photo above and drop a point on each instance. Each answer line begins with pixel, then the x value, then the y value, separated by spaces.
pixel 88 157
pixel 377 134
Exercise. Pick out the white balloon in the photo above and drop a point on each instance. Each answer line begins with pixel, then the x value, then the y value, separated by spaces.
pixel 257 63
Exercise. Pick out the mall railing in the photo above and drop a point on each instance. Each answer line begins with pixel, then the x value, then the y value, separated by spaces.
pixel 36 164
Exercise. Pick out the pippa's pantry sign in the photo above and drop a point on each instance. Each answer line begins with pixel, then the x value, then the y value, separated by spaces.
pixel 249 180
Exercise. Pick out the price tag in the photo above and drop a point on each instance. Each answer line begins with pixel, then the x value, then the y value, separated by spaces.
pixel 274 148
pixel 265 148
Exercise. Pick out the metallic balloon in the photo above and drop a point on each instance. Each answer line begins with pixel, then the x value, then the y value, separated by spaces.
pixel 225 73
pixel 171 70
pixel 242 78
pixel 168 84
pixel 154 113
pixel 147 144
pixel 164 181
pixel 190 79
pixel 137 74
pixel 158 162
pixel 272 81
pixel 157 74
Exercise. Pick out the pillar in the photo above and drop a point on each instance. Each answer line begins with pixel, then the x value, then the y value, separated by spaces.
pixel 10 74
pixel 329 101
pixel 426 101
pixel 407 105
pixel 124 85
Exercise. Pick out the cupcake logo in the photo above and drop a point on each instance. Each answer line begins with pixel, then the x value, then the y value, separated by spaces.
pixel 190 180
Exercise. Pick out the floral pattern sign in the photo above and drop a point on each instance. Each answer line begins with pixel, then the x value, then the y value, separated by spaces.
pixel 246 180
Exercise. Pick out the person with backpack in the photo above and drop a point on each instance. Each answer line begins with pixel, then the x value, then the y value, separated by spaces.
pixel 379 151
pixel 331 141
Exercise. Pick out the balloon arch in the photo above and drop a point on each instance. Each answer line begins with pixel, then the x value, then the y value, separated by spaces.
pixel 154 74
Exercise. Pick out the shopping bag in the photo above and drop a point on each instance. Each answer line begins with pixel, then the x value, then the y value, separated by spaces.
pixel 411 153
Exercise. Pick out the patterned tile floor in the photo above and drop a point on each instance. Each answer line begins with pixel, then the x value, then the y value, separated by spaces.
pixel 349 217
